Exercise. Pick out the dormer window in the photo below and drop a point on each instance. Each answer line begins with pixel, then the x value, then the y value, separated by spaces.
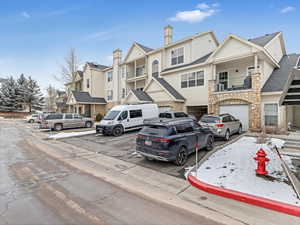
pixel 177 56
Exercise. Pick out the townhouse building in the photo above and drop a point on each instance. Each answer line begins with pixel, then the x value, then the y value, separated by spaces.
pixel 253 79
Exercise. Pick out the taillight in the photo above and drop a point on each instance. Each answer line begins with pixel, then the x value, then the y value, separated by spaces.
pixel 219 125
pixel 162 140
pixel 140 136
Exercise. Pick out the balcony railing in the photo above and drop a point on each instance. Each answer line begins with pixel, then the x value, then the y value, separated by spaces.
pixel 223 86
pixel 131 75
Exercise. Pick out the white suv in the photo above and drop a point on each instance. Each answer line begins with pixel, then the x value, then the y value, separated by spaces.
pixel 32 118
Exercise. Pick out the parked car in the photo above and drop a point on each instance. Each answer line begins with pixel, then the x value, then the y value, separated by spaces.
pixel 59 121
pixel 173 140
pixel 223 125
pixel 123 118
pixel 174 115
pixel 32 118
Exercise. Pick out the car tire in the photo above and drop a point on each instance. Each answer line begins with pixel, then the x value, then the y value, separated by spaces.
pixel 181 156
pixel 240 130
pixel 227 135
pixel 149 158
pixel 88 124
pixel 31 121
pixel 210 143
pixel 58 127
pixel 117 131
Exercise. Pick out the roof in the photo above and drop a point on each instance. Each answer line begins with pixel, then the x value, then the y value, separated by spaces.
pixel 142 96
pixel 169 88
pixel 61 104
pixel 197 61
pixel 97 66
pixel 280 76
pixel 86 97
pixel 60 93
pixel 80 73
pixel 263 40
pixel 145 48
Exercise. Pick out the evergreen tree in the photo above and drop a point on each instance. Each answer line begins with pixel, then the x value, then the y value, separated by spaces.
pixel 9 96
pixel 21 87
pixel 33 97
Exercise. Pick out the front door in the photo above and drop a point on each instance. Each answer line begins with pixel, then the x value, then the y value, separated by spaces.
pixel 124 119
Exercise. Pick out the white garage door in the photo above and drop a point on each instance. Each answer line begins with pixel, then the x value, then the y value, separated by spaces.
pixel 240 112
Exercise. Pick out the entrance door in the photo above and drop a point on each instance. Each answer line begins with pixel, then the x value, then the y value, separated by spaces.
pixel 240 112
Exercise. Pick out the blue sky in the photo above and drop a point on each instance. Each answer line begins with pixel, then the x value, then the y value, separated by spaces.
pixel 36 35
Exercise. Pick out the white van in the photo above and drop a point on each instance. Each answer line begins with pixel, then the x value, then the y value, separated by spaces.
pixel 123 118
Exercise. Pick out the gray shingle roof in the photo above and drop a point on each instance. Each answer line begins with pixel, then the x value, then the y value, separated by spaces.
pixel 197 61
pixel 263 40
pixel 280 76
pixel 145 48
pixel 98 66
pixel 85 97
pixel 169 88
pixel 142 96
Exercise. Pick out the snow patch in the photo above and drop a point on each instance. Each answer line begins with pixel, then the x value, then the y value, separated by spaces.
pixel 233 167
pixel 71 134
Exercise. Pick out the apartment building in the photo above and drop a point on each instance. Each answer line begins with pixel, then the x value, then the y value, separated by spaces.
pixel 253 79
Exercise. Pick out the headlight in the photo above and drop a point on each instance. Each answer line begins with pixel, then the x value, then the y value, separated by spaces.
pixel 110 122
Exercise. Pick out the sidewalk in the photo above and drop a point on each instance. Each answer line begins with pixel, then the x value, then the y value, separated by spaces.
pixel 160 187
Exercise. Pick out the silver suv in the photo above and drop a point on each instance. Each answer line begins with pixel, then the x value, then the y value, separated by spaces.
pixel 59 121
pixel 223 125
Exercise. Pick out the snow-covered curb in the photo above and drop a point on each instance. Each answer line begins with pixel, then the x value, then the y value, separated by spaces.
pixel 233 168
pixel 71 134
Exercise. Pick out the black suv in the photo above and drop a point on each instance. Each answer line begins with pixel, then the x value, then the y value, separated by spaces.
pixel 173 140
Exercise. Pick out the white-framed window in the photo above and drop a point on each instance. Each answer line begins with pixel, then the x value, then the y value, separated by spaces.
pixel 271 114
pixel 192 79
pixel 123 72
pixel 123 92
pixel 177 56
pixel 155 69
pixel 109 95
pixel 223 80
pixel 87 83
pixel 109 76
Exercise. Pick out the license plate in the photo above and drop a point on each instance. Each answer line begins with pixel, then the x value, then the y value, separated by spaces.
pixel 148 142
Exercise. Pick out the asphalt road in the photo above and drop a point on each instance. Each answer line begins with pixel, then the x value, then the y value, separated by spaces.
pixel 37 189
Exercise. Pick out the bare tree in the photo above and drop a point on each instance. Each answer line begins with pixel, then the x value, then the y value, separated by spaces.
pixel 68 68
pixel 50 99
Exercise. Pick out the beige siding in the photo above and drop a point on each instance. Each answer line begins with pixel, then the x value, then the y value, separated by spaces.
pixel 275 49
pixel 135 54
pixel 267 71
pixel 202 46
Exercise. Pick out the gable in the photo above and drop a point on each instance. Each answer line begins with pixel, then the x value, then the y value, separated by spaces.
pixel 71 100
pixel 157 93
pixel 275 48
pixel 134 53
pixel 232 48
pixel 131 99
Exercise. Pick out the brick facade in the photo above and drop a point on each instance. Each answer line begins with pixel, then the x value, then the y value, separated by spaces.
pixel 251 97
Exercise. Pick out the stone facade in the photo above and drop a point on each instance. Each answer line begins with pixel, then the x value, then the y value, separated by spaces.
pixel 251 97
pixel 176 106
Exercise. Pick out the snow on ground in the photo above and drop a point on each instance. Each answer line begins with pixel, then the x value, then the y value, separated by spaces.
pixel 71 134
pixel 233 167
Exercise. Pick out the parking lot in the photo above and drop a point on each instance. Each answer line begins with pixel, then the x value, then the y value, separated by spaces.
pixel 123 148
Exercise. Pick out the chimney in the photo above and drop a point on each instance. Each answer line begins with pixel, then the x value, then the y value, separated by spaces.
pixel 117 57
pixel 168 34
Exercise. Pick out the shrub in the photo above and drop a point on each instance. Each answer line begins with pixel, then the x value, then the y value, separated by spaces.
pixel 99 117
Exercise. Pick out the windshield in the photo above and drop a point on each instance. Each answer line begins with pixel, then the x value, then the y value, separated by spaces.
pixel 111 115
pixel 210 119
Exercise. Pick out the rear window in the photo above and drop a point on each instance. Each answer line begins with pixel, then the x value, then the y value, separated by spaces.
pixel 210 119
pixel 180 114
pixel 165 115
pixel 156 130
pixel 54 117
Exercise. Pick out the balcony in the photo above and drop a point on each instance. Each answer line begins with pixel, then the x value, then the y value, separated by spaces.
pixel 138 74
pixel 225 85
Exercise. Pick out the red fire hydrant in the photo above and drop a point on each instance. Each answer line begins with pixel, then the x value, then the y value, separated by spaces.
pixel 261 162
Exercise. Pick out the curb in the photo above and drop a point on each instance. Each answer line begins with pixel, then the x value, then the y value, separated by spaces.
pixel 247 198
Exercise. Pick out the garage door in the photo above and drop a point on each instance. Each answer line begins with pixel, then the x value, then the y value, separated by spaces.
pixel 240 112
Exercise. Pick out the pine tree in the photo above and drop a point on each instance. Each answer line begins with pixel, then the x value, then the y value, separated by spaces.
pixel 9 96
pixel 21 88
pixel 33 97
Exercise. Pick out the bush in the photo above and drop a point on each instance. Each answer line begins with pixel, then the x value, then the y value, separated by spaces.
pixel 99 117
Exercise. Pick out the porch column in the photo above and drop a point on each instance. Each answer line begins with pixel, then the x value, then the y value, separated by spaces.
pixel 69 108
pixel 134 72
pixel 83 109
pixel 255 63
pixel 214 72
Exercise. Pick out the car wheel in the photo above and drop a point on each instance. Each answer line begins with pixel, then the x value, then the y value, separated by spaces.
pixel 240 130
pixel 227 135
pixel 31 121
pixel 117 131
pixel 58 127
pixel 88 124
pixel 210 143
pixel 181 157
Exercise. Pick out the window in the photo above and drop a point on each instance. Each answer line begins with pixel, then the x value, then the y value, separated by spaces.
pixel 139 71
pixel 192 79
pixel 54 116
pixel 123 72
pixel 184 128
pixel 123 115
pixel 177 56
pixel 271 114
pixel 165 115
pixel 180 114
pixel 135 113
pixel 68 116
pixel 109 95
pixel 155 69
pixel 227 119
pixel 123 92
pixel 223 80
pixel 76 116
pixel 109 76
pixel 87 83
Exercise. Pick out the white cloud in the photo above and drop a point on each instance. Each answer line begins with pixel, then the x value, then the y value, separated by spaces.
pixel 109 58
pixel 215 5
pixel 198 15
pixel 26 15
pixel 203 6
pixel 287 9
